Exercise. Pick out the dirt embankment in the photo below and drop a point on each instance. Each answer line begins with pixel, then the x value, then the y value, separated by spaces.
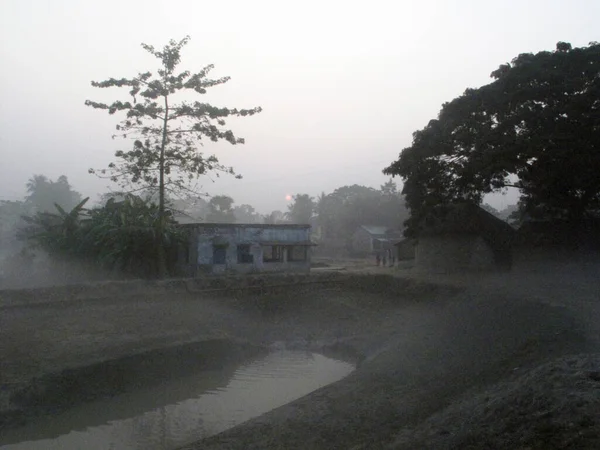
pixel 50 338
pixel 462 371
pixel 422 347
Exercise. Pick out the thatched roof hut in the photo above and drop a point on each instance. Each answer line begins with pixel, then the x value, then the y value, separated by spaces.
pixel 461 237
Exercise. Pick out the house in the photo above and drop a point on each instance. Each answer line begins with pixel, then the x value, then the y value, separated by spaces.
pixel 245 248
pixel 405 249
pixel 370 239
pixel 463 237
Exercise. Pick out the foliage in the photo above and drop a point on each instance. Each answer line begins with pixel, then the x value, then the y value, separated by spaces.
pixel 190 209
pixel 220 210
pixel 166 135
pixel 274 217
pixel 348 207
pixel 122 234
pixel 246 214
pixel 301 209
pixel 534 128
pixel 57 233
pixel 43 193
pixel 119 236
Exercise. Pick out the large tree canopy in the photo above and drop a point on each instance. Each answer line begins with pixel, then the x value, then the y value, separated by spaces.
pixel 346 208
pixel 301 209
pixel 535 128
pixel 220 209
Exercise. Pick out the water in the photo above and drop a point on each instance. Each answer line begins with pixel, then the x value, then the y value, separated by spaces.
pixel 183 410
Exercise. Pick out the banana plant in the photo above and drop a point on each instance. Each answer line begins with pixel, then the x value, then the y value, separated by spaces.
pixel 57 233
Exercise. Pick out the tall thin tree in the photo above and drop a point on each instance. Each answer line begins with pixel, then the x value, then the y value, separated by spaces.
pixel 166 134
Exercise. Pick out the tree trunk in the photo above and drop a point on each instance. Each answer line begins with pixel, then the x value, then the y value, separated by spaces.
pixel 161 258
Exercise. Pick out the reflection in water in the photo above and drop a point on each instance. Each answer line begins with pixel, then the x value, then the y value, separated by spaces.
pixel 191 408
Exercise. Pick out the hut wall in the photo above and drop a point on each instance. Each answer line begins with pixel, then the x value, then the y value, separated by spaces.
pixel 456 253
pixel 406 249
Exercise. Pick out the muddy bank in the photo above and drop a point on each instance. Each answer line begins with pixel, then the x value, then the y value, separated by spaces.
pixel 554 406
pixel 47 340
pixel 54 393
pixel 421 345
pixel 211 286
pixel 437 352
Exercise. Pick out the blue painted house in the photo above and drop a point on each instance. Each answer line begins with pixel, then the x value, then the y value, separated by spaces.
pixel 216 248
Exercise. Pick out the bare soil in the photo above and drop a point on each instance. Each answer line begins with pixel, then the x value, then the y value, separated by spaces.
pixel 507 363
pixel 456 366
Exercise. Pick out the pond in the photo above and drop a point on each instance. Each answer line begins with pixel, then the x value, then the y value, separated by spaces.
pixel 182 410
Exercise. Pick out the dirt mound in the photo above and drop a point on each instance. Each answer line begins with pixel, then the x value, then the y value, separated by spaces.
pixel 555 406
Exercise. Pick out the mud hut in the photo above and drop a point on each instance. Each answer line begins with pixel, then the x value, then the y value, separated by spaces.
pixel 405 249
pixel 463 237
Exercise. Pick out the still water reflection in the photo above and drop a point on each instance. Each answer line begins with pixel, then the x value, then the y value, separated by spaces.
pixel 183 410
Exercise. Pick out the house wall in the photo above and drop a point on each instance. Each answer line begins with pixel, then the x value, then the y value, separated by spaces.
pixel 447 254
pixel 215 249
pixel 406 249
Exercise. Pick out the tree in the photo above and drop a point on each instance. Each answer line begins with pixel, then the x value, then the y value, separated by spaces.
pixel 220 210
pixel 57 233
pixel 166 135
pixel 389 188
pixel 274 217
pixel 301 209
pixel 117 236
pixel 346 208
pixel 535 128
pixel 43 193
pixel 246 214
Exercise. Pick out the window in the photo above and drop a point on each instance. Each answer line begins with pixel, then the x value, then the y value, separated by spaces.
pixel 219 254
pixel 273 253
pixel 243 254
pixel 297 253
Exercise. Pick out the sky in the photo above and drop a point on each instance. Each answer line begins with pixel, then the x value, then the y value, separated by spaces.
pixel 343 84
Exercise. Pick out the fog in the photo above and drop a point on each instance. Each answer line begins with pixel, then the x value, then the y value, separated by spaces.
pixel 343 85
pixel 135 320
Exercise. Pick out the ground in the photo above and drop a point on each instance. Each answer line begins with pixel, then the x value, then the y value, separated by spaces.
pixel 454 366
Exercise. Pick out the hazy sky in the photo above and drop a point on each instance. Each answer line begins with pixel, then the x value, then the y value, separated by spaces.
pixel 343 84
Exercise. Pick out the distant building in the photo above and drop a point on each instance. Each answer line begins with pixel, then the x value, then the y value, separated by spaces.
pixel 371 239
pixel 463 237
pixel 216 248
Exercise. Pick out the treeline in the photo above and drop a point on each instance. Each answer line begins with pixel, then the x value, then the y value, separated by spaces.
pixel 118 235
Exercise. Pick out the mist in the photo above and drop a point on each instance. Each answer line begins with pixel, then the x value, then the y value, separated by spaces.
pixel 369 225
pixel 342 85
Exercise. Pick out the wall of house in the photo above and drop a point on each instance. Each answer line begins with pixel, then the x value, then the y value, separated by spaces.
pixel 216 249
pixel 447 254
pixel 406 249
